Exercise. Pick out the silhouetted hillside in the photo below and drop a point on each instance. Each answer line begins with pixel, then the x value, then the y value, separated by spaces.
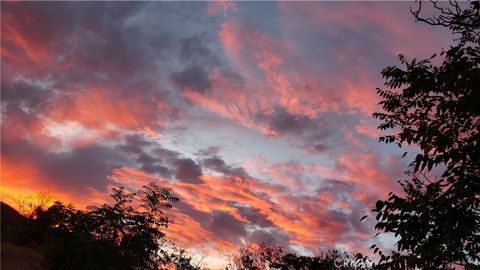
pixel 13 223
pixel 17 254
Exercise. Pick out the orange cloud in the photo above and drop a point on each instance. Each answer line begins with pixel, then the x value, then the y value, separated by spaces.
pixel 227 109
pixel 309 227
pixel 23 47
pixel 106 111
pixel 275 75
pixel 20 180
pixel 266 83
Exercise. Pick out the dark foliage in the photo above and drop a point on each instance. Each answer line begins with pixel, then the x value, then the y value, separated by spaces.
pixel 127 234
pixel 436 108
pixel 260 256
pixel 173 257
pixel 12 224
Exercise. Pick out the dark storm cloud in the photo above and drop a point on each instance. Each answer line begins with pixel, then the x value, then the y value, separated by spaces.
pixel 151 165
pixel 314 135
pixel 83 166
pixel 199 59
pixel 270 235
pixel 72 170
pixel 154 159
pixel 217 164
pixel 187 170
pixel 165 154
pixel 22 106
pixel 23 93
pixel 201 217
pixel 254 216
pixel 20 118
pixel 226 226
pixel 134 143
pixel 222 223
pixel 283 122
pixel 195 50
pixel 194 78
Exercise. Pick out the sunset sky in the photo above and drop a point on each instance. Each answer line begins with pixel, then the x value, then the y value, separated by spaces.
pixel 258 115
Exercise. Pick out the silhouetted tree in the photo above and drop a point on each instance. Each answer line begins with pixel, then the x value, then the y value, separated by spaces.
pixel 136 232
pixel 256 256
pixel 30 204
pixel 437 108
pixel 173 257
pixel 261 256
pixel 127 234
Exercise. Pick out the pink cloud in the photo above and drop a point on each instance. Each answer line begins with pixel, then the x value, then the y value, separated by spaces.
pixel 368 128
pixel 309 227
pixel 390 25
pixel 274 73
pixel 22 47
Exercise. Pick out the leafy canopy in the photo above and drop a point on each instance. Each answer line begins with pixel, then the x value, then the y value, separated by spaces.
pixel 437 108
pixel 264 255
pixel 127 234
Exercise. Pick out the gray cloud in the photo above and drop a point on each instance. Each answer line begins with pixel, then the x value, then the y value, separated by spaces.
pixel 217 164
pixel 194 77
pixel 270 235
pixel 72 170
pixel 254 215
pixel 226 226
pixel 187 170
